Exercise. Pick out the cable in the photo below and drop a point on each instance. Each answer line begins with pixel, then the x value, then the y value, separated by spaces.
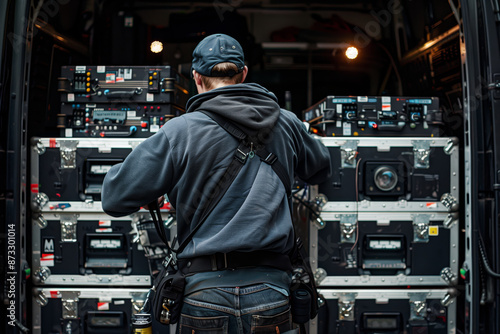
pixel 307 205
pixel 356 210
pixel 485 260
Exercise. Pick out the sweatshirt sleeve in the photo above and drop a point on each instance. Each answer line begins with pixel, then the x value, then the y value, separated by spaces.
pixel 314 164
pixel 142 177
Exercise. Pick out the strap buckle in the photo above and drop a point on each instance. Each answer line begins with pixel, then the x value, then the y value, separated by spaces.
pixel 271 158
pixel 240 155
pixel 169 259
pixel 215 263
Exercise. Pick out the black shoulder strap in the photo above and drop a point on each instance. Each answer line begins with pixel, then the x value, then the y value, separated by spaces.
pixel 239 159
pixel 225 181
pixel 262 152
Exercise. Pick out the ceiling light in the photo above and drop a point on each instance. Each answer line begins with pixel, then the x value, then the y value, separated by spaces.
pixel 351 52
pixel 156 47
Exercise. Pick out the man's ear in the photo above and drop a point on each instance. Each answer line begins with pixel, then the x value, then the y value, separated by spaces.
pixel 245 72
pixel 197 77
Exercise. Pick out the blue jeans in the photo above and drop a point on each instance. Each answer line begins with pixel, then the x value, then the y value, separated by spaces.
pixel 256 309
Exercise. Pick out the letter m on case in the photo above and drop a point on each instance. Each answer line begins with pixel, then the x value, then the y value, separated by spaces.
pixel 48 245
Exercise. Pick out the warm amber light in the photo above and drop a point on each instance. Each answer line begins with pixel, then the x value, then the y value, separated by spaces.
pixel 156 47
pixel 351 52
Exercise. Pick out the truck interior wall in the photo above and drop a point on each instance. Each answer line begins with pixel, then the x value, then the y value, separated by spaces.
pixel 298 77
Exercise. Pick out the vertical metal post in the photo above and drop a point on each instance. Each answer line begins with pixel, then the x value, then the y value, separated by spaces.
pixel 16 166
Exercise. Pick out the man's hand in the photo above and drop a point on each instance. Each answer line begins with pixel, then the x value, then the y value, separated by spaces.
pixel 161 201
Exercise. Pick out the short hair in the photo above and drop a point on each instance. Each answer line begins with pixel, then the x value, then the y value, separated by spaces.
pixel 221 69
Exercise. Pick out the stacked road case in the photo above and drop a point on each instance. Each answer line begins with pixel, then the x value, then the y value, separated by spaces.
pixel 91 272
pixel 385 246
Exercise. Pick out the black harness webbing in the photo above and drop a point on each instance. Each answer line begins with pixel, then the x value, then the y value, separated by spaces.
pixel 239 159
pixel 261 151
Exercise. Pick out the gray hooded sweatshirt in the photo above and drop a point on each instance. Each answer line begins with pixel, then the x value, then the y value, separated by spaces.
pixel 188 156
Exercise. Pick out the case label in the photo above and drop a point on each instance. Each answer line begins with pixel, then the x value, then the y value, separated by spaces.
pixel 48 245
pixel 47 260
pixel 433 231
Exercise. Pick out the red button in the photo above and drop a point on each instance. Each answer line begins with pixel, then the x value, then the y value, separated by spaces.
pixel 144 124
pixel 158 107
pixel 145 107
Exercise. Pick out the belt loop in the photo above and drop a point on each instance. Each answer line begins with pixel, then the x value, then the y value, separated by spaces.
pixel 225 260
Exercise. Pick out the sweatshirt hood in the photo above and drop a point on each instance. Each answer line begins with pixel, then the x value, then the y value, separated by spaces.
pixel 248 105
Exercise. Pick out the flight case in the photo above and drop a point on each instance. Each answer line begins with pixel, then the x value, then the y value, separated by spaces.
pixel 67 173
pixel 376 116
pixel 385 249
pixel 88 249
pixel 85 311
pixel 386 311
pixel 140 84
pixel 392 174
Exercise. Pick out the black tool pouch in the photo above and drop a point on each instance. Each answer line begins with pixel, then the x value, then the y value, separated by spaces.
pixel 305 299
pixel 169 294
pixel 168 286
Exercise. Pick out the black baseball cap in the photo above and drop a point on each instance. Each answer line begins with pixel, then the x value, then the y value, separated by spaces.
pixel 216 49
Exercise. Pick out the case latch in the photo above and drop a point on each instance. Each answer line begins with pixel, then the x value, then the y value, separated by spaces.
pixel 450 202
pixel 39 147
pixel 346 306
pixel 421 228
pixel 69 304
pixel 418 306
pixel 450 145
pixel 448 276
pixel 68 228
pixel 319 275
pixel 39 201
pixel 421 154
pixel 348 228
pixel 68 153
pixel 348 153
pixel 41 221
pixel 450 219
pixel 41 275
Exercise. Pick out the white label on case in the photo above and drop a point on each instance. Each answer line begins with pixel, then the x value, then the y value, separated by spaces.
pixel 102 306
pixel 150 97
pixel 362 98
pixel 104 230
pixel 47 260
pixel 346 130
pixel 127 73
pixel 101 69
pixel 71 97
pixel 68 132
